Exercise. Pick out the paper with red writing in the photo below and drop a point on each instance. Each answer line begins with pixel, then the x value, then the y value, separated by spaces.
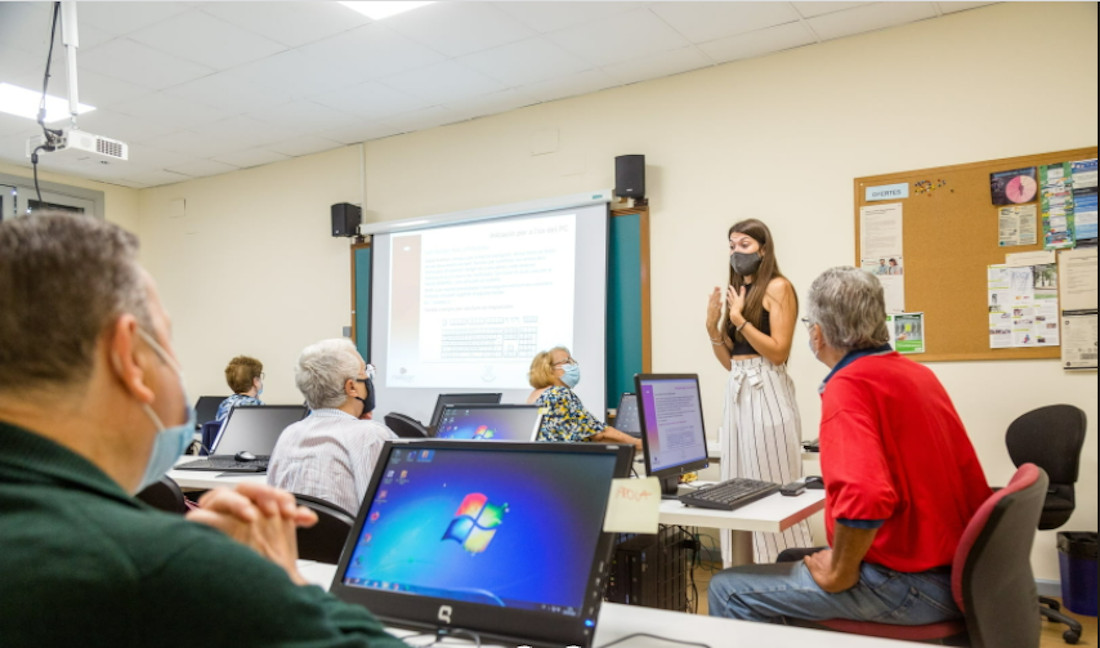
pixel 632 506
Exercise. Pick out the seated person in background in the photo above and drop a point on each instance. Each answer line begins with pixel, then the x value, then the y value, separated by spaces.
pixel 901 480
pixel 245 377
pixel 92 410
pixel 554 374
pixel 331 453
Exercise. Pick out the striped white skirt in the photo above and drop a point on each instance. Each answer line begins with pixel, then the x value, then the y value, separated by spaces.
pixel 760 439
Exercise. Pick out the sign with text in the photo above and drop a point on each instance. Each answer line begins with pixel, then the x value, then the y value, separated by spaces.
pixel 632 506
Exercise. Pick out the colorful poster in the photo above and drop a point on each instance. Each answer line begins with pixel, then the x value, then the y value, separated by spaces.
pixel 1056 204
pixel 1012 187
pixel 906 332
pixel 1023 306
pixel 1016 225
pixel 1084 200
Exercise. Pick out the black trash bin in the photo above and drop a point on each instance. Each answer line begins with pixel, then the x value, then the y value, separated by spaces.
pixel 1078 568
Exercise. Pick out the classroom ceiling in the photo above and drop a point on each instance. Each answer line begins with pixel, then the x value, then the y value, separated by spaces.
pixel 202 88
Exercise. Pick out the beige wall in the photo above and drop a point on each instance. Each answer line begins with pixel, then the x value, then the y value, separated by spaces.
pixel 252 269
pixel 120 203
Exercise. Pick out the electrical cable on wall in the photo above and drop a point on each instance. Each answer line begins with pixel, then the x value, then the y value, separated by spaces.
pixel 51 136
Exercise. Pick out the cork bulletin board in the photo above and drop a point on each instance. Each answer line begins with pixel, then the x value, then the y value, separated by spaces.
pixel 950 235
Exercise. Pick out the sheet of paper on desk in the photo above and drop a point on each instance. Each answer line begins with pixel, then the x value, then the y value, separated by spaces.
pixel 632 506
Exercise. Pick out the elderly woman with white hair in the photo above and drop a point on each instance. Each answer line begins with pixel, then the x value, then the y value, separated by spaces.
pixel 331 453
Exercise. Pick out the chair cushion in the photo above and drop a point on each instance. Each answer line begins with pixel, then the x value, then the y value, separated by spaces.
pixel 926 632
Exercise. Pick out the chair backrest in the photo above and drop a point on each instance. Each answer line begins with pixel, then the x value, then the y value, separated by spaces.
pixel 164 495
pixel 991 576
pixel 209 433
pixel 405 426
pixel 1050 437
pixel 206 408
pixel 323 541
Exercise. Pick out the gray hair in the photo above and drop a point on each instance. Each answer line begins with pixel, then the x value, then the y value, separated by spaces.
pixel 322 370
pixel 64 279
pixel 849 306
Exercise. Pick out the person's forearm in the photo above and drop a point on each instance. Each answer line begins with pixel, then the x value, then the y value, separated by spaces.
pixel 850 545
pixel 765 344
pixel 719 343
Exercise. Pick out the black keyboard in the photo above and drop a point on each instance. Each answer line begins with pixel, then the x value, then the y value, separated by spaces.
pixel 730 494
pixel 226 464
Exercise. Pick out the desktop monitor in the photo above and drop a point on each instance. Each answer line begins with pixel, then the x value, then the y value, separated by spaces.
pixel 673 437
pixel 626 416
pixel 460 399
pixel 490 422
pixel 255 428
pixel 504 540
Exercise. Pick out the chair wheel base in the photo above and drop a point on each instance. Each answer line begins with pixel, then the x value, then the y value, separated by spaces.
pixel 1071 637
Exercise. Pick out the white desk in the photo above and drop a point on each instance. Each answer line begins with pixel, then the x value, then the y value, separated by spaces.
pixel 206 479
pixel 771 514
pixel 617 621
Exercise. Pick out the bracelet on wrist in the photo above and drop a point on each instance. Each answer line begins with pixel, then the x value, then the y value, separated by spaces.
pixel 743 325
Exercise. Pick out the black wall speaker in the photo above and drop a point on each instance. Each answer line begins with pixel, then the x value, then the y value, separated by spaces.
pixel 630 176
pixel 345 219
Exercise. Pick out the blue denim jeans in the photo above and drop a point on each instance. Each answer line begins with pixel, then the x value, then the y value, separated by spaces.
pixel 772 592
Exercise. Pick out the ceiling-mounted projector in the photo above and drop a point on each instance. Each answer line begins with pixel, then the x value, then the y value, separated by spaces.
pixel 78 144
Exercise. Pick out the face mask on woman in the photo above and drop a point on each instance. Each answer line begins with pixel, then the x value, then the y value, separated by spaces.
pixel 571 375
pixel 745 263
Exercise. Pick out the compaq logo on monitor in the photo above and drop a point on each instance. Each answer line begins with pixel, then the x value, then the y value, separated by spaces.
pixel 444 613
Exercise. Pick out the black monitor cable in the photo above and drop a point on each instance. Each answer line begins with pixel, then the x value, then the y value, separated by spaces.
pixel 52 137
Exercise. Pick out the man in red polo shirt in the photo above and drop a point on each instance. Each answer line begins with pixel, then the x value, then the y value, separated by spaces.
pixel 902 480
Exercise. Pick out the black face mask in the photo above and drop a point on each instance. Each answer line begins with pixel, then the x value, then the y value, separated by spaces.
pixel 745 263
pixel 368 402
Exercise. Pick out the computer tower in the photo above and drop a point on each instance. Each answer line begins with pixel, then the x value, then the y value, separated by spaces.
pixel 652 570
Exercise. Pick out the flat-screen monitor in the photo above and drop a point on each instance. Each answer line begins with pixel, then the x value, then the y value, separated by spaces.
pixel 673 437
pixel 490 422
pixel 206 409
pixel 626 416
pixel 443 400
pixel 255 428
pixel 501 539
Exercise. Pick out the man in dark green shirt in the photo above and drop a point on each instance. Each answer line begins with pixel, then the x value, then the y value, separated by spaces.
pixel 92 409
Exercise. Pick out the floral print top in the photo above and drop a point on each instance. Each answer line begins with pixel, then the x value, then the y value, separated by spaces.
pixel 564 417
pixel 236 400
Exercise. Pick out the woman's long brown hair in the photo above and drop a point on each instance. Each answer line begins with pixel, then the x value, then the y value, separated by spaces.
pixel 768 270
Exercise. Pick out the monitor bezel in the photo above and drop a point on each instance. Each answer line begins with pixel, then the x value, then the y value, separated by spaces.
pixel 441 402
pixel 513 625
pixel 673 472
pixel 494 406
pixel 225 425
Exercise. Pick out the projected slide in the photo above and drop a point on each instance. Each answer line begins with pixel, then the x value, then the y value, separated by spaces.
pixel 475 302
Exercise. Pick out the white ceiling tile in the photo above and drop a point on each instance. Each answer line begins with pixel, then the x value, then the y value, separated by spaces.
pixel 570 86
pixel 371 100
pixel 527 61
pixel 142 156
pixel 370 52
pixel 954 7
pixel 249 131
pixel 201 144
pixel 290 23
pixel 251 157
pixel 700 22
pixel 303 145
pixel 300 75
pixel 135 63
pixel 457 28
pixel 361 132
pixel 869 18
pixel 163 107
pixel 659 65
pixel 199 37
pixel 25 26
pixel 443 82
pixel 304 116
pixel 10 124
pixel 124 17
pixel 758 43
pixel 491 104
pixel 811 9
pixel 104 92
pixel 551 16
pixel 424 119
pixel 232 92
pixel 126 128
pixel 201 168
pixel 619 38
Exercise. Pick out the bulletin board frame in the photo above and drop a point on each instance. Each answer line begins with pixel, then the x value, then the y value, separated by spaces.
pixel 949 237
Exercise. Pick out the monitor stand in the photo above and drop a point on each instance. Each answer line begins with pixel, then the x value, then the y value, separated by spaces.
pixel 670 487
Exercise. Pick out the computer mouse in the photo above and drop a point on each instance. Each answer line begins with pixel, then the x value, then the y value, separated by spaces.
pixel 813 481
pixel 244 455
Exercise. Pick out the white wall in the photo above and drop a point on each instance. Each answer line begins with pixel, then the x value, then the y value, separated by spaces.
pixel 251 268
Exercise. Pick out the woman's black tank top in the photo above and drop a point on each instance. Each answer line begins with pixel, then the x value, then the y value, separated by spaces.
pixel 742 347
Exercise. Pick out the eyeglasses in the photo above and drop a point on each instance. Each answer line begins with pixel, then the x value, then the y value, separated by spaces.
pixel 568 362
pixel 262 375
pixel 807 322
pixel 371 371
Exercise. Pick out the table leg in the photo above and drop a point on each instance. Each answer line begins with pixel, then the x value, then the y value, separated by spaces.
pixel 741 545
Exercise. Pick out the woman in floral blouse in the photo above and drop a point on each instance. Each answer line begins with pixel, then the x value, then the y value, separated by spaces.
pixel 554 374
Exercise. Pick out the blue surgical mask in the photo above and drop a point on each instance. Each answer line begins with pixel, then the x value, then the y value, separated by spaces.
pixel 571 375
pixel 170 443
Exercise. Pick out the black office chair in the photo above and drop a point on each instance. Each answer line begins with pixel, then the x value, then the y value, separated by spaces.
pixel 164 495
pixel 405 426
pixel 1052 437
pixel 323 541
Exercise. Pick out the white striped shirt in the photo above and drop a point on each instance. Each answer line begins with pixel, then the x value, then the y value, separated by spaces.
pixel 330 454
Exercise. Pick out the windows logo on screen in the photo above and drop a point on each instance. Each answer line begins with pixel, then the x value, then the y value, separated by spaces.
pixel 475 523
pixel 484 432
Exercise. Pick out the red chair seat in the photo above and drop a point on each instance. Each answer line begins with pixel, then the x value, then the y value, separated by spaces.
pixel 927 632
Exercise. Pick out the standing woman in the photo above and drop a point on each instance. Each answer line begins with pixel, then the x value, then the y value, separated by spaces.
pixel 761 431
